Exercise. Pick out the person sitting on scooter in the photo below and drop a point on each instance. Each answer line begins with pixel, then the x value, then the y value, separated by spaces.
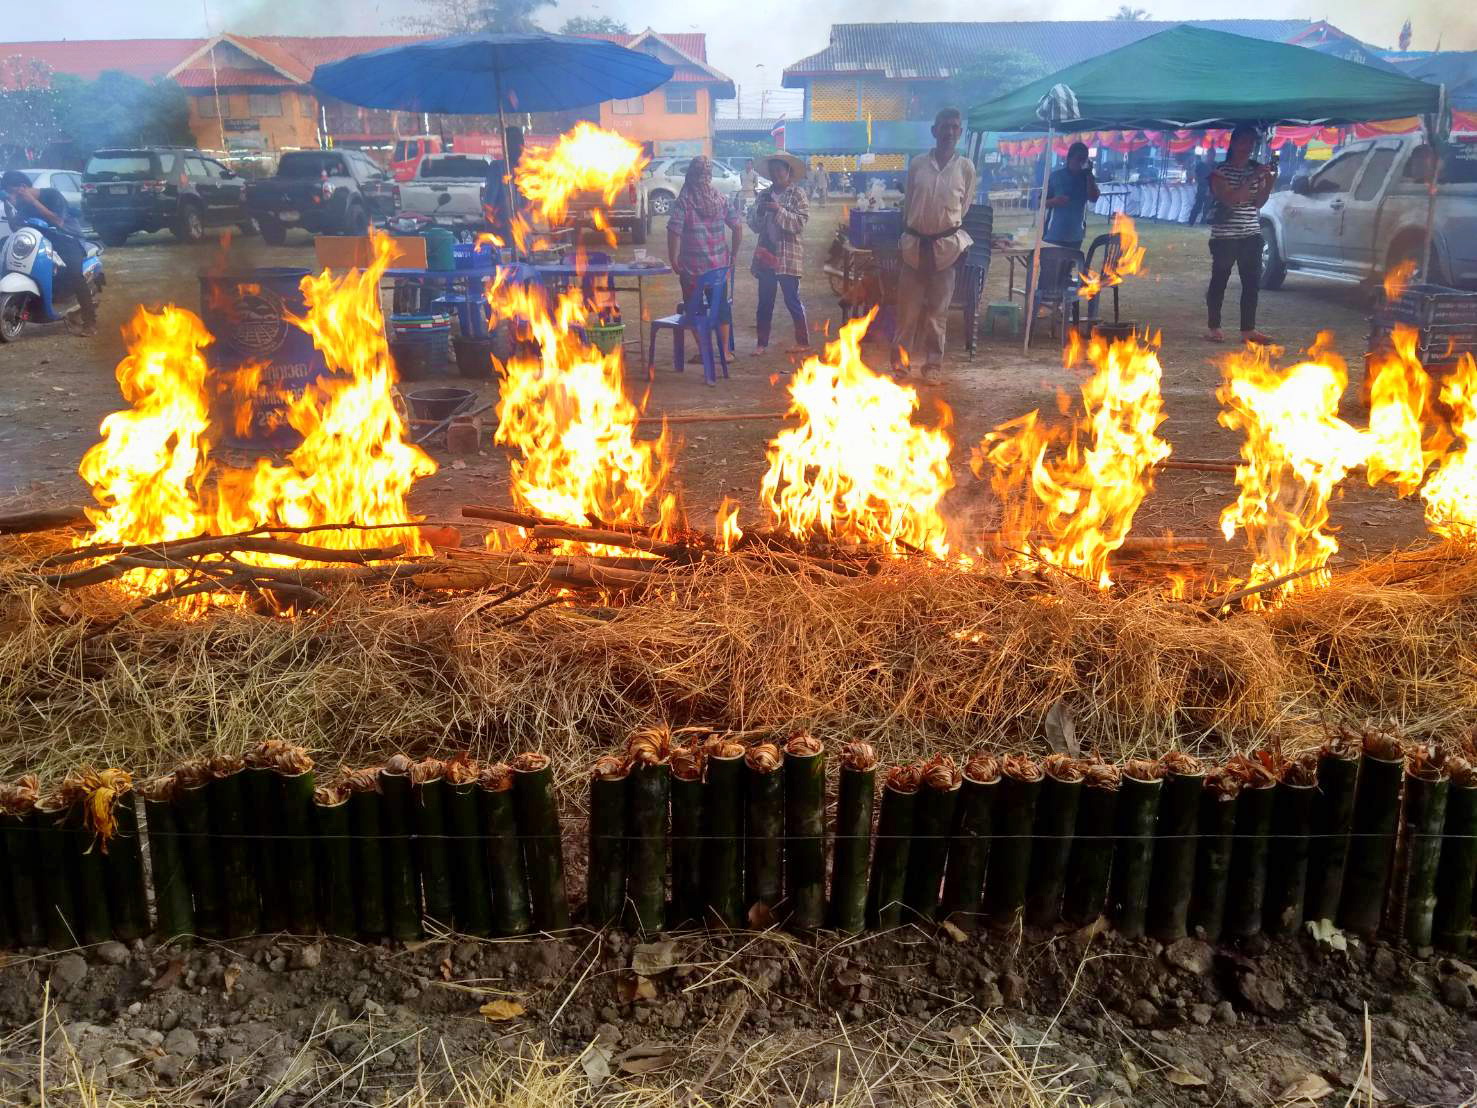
pixel 29 204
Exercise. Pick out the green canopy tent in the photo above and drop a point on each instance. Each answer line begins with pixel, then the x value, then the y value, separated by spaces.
pixel 1189 78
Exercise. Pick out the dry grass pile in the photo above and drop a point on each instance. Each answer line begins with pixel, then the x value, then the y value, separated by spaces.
pixel 918 659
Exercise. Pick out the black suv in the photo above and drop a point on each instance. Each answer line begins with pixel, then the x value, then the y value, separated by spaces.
pixel 151 188
pixel 337 191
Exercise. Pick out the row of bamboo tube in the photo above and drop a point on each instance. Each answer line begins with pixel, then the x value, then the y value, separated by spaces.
pixel 1368 833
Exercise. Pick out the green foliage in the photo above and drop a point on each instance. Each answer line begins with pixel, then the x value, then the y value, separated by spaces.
pixel 593 25
pixel 1127 14
pixel 989 75
pixel 511 15
pixel 119 110
pixel 28 107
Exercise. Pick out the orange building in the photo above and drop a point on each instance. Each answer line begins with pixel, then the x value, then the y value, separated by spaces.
pixel 676 119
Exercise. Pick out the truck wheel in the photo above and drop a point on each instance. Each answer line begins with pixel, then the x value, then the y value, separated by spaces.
pixel 1413 250
pixel 12 316
pixel 191 224
pixel 113 238
pixel 1274 269
pixel 661 202
pixel 273 232
pixel 356 219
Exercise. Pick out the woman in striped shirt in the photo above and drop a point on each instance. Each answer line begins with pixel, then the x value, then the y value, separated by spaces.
pixel 1240 187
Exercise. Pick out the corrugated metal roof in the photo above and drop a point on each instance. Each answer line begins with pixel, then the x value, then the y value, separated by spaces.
pixel 937 50
pixel 765 125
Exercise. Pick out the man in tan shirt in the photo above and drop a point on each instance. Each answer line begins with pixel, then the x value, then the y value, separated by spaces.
pixel 939 189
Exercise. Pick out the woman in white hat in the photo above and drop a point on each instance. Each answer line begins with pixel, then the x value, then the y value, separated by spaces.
pixel 778 218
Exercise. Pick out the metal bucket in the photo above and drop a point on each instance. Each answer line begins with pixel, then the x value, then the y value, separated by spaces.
pixel 260 361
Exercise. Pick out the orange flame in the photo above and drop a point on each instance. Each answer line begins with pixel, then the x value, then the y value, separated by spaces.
pixel 857 468
pixel 354 464
pixel 587 159
pixel 1397 279
pixel 1399 391
pixel 1295 452
pixel 1074 510
pixel 1451 491
pixel 1130 260
pixel 565 410
pixel 726 525
pixel 146 470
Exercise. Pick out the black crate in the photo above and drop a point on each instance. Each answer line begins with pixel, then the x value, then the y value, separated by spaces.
pixel 1431 306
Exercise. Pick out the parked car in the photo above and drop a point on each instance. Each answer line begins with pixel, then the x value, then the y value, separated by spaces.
pixel 629 213
pixel 322 191
pixel 126 191
pixel 1364 212
pixel 662 181
pixel 458 177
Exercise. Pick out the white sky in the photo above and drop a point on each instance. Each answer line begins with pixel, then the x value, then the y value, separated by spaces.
pixel 750 42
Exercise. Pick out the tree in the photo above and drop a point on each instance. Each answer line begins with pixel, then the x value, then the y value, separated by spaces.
pixel 593 25
pixel 463 17
pixel 1127 14
pixel 119 110
pixel 989 75
pixel 28 108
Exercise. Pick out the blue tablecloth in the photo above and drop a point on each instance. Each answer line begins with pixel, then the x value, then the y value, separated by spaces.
pixel 608 269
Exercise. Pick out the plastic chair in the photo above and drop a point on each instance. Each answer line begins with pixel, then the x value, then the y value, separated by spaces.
pixel 708 307
pixel 1112 247
pixel 1057 291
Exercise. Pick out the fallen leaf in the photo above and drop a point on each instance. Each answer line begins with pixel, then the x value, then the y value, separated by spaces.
pixel 445 969
pixel 761 917
pixel 230 975
pixel 595 1061
pixel 500 1010
pixel 1366 1088
pixel 1183 1078
pixel 648 1064
pixel 654 958
pixel 1061 728
pixel 635 988
pixel 1325 932
pixel 1309 1087
pixel 954 931
pixel 170 976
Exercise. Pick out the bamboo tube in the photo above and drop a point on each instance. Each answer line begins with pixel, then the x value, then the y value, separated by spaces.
pixel 1333 818
pixel 192 821
pixel 1090 867
pixel 1010 852
pixel 333 860
pixel 511 911
pixel 466 849
pixel 687 836
pixel 764 821
pixel 933 820
pixel 1457 874
pixel 855 798
pixel 805 831
pixel 1424 820
pixel 1218 803
pixel 261 788
pixel 1056 819
pixel 723 832
pixel 1246 884
pixel 969 848
pixel 61 912
pixel 605 884
pixel 402 882
pixel 112 821
pixel 172 904
pixel 1292 824
pixel 1372 848
pixel 894 841
pixel 1133 856
pixel 231 848
pixel 1173 876
pixel 296 862
pixel 23 892
pixel 538 828
pixel 428 818
pixel 366 825
pixel 648 792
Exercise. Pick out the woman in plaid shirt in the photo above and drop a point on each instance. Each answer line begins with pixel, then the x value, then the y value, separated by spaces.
pixel 703 230
pixel 779 219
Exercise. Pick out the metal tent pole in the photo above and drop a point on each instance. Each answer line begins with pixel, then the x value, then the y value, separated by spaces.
pixel 1033 279
pixel 1433 130
pixel 502 125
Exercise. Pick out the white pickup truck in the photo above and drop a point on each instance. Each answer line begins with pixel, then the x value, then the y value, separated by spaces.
pixel 458 177
pixel 1364 212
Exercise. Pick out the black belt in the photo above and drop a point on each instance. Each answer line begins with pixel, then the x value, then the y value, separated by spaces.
pixel 925 245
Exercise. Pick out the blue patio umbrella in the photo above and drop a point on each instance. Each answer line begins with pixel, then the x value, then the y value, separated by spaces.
pixel 483 74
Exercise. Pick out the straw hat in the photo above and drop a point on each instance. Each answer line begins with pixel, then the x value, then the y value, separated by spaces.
pixel 797 167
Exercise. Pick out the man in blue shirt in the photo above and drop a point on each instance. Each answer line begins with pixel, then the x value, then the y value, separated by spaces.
pixel 1068 192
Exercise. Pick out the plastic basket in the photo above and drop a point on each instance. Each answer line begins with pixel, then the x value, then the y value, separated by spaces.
pixel 870 229
pixel 606 337
pixel 1431 306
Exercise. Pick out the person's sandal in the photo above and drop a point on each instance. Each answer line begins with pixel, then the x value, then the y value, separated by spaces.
pixel 1215 334
pixel 1256 338
pixel 759 352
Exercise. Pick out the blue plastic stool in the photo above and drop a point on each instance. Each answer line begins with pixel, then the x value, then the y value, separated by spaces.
pixel 706 309
pixel 1010 314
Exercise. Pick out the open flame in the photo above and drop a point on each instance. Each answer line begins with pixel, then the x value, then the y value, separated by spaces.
pixel 146 470
pixel 1069 497
pixel 1397 279
pixel 355 464
pixel 1451 491
pixel 586 159
pixel 1295 453
pixel 1399 394
pixel 1130 260
pixel 857 468
pixel 564 408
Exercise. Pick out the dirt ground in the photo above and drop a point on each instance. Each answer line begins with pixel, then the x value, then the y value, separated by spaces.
pixel 54 388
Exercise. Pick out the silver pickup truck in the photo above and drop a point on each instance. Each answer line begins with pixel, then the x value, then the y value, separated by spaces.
pixel 1364 212
pixel 458 177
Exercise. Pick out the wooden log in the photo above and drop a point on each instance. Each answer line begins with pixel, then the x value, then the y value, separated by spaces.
pixel 41 519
